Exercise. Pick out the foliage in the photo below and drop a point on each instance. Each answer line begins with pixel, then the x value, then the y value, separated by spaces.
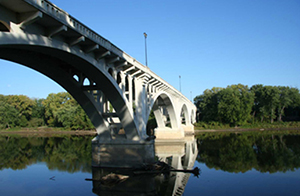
pixel 237 105
pixel 151 124
pixel 57 110
pixel 8 115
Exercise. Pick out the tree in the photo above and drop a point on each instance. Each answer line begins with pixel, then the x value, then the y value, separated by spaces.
pixel 287 97
pixel 62 110
pixel 23 105
pixel 52 104
pixel 9 116
pixel 38 109
pixel 258 106
pixel 271 100
pixel 207 104
pixel 235 104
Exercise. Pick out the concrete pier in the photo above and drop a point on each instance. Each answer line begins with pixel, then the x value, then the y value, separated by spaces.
pixel 122 154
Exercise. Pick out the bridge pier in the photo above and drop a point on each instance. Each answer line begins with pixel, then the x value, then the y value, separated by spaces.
pixel 168 133
pixel 122 153
pixel 188 129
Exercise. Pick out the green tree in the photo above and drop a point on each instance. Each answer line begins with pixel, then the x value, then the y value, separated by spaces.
pixel 22 103
pixel 52 104
pixel 287 97
pixel 258 106
pixel 9 116
pixel 38 109
pixel 207 104
pixel 235 104
pixel 62 110
pixel 271 96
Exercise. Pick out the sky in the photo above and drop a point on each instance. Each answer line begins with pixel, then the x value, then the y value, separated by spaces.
pixel 208 43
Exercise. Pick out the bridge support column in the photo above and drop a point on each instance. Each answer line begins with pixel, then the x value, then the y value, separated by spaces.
pixel 168 133
pixel 141 107
pixel 122 154
pixel 188 129
pixel 130 95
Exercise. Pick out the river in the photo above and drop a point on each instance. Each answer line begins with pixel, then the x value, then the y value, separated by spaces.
pixel 248 163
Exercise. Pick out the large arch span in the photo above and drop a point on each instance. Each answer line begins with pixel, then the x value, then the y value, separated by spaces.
pixel 61 64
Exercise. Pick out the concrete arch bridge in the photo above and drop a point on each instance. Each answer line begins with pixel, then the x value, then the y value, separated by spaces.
pixel 116 91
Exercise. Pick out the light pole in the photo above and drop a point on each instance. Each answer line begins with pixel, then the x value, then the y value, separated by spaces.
pixel 179 83
pixel 145 35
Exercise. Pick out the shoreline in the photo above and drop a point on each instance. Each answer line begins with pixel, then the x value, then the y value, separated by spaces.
pixel 46 132
pixel 52 131
pixel 245 129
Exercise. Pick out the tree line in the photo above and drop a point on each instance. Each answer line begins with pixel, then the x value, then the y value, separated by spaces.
pixel 238 104
pixel 57 110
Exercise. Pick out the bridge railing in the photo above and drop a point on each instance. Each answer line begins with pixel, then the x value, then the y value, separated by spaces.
pixel 71 22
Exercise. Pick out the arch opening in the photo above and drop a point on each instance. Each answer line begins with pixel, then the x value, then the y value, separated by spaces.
pixel 184 117
pixel 76 77
pixel 127 87
pixel 162 115
pixel 86 82
pixel 59 65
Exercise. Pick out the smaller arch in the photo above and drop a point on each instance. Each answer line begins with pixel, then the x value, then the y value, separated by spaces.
pixel 76 77
pixel 133 89
pixel 86 82
pixel 4 26
pixel 126 83
pixel 111 72
pixel 164 100
pixel 184 115
pixel 119 79
pixel 126 87
pixel 192 117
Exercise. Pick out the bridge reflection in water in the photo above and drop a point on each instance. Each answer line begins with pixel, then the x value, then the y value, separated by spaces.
pixel 179 154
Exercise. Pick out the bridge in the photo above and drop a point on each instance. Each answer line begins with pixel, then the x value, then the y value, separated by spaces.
pixel 116 91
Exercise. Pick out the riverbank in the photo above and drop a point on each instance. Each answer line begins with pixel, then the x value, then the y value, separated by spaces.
pixel 46 131
pixel 245 129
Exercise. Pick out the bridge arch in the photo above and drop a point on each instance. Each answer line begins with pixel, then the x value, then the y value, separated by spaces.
pixel 184 115
pixel 69 67
pixel 193 116
pixel 159 100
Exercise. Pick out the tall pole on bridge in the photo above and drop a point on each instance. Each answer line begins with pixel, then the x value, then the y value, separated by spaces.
pixel 145 35
pixel 179 83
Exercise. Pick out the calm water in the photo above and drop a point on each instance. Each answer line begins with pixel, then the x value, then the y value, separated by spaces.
pixel 257 163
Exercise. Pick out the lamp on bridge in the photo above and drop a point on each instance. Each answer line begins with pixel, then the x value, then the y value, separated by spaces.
pixel 145 35
pixel 179 83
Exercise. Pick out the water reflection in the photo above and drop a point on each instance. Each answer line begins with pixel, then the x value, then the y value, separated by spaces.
pixel 270 151
pixel 65 153
pixel 179 154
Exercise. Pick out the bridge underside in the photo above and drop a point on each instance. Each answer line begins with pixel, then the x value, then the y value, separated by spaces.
pixel 61 67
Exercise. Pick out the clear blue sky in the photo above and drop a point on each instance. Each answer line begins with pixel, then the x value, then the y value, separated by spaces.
pixel 209 43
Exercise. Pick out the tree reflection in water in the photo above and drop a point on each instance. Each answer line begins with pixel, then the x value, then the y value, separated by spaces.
pixel 65 153
pixel 268 151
